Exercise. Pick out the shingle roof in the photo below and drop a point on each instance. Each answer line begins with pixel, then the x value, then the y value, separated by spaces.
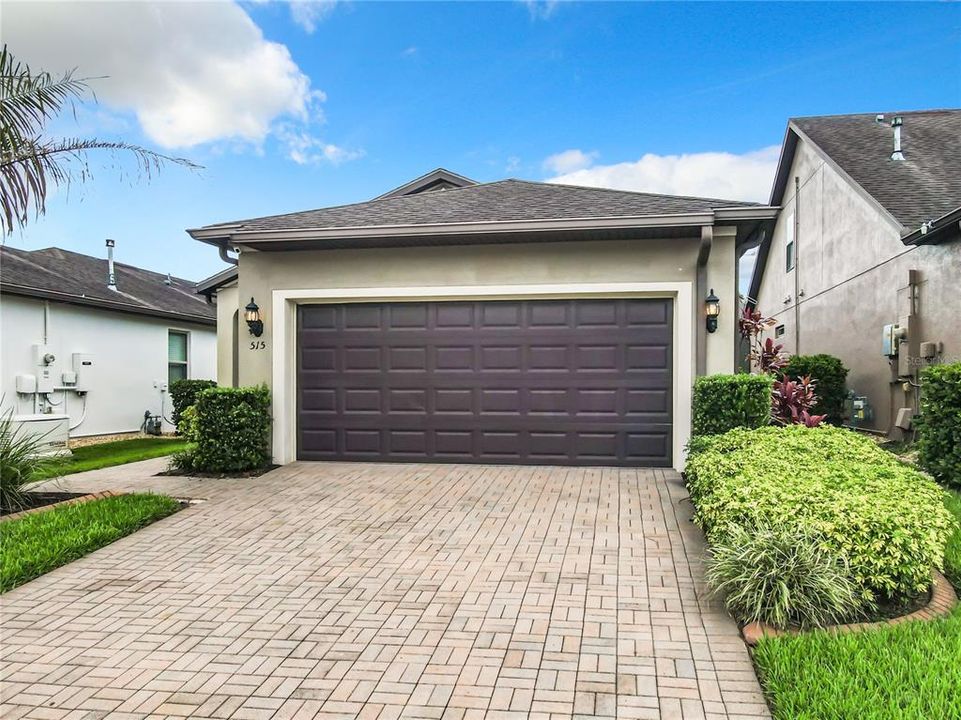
pixel 82 279
pixel 504 200
pixel 924 186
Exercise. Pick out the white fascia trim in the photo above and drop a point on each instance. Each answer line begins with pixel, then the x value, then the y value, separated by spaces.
pixel 475 228
pixel 284 338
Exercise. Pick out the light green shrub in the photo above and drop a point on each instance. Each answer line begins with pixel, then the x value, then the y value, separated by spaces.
pixel 724 402
pixel 885 519
pixel 783 576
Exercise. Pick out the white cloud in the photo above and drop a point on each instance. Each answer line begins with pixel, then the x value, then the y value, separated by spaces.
pixel 306 149
pixel 192 73
pixel 409 52
pixel 541 9
pixel 709 174
pixel 569 160
pixel 308 13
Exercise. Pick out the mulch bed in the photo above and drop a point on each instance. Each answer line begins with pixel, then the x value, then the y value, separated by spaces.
pixel 219 476
pixel 52 500
pixel 34 500
pixel 938 603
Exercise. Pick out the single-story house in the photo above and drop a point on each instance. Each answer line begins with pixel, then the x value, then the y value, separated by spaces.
pixel 504 322
pixel 97 341
pixel 865 258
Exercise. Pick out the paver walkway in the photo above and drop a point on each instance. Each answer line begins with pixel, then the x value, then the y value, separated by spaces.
pixel 385 591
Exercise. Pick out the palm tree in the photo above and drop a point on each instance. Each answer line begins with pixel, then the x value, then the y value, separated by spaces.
pixel 31 164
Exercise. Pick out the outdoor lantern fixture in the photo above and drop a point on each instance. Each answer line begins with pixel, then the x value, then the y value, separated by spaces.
pixel 712 308
pixel 252 316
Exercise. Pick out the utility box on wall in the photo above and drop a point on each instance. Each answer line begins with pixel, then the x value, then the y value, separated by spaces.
pixel 82 368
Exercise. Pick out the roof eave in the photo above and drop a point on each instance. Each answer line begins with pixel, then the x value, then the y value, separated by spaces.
pixel 945 228
pixel 103 304
pixel 240 236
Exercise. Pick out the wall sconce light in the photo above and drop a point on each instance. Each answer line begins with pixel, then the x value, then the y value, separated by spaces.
pixel 712 308
pixel 252 316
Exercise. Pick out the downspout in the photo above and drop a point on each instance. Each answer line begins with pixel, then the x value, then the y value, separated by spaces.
pixel 797 266
pixel 224 256
pixel 700 331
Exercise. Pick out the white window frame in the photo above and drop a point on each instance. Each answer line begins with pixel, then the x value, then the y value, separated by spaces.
pixel 186 361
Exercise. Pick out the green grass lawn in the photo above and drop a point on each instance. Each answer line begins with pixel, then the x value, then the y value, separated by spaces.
pixel 39 542
pixel 905 672
pixel 119 452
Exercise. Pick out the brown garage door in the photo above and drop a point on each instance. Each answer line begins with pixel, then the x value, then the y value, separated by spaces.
pixel 584 382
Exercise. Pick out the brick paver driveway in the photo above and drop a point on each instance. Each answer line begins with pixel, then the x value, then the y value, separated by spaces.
pixel 387 591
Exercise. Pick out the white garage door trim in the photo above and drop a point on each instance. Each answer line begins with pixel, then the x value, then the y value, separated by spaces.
pixel 284 328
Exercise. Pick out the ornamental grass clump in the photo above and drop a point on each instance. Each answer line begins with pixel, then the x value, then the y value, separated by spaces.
pixel 783 576
pixel 886 521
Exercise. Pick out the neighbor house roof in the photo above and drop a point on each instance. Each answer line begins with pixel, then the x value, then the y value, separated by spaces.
pixel 921 188
pixel 507 209
pixel 920 195
pixel 71 277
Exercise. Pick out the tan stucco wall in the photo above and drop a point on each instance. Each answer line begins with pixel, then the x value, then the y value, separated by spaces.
pixel 538 263
pixel 228 305
pixel 854 275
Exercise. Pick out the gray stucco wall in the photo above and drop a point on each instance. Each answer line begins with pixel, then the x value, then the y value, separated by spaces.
pixel 854 279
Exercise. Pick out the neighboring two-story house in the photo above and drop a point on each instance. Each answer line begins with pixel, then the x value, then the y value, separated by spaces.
pixel 864 261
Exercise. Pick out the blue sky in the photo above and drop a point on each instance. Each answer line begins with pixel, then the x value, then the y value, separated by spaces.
pixel 302 106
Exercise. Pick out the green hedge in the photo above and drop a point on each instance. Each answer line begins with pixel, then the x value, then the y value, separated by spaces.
pixel 939 430
pixel 829 376
pixel 232 428
pixel 724 402
pixel 886 520
pixel 183 394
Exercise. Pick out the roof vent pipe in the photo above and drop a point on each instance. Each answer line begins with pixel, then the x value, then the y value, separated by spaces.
pixel 111 275
pixel 168 280
pixel 896 124
pixel 879 118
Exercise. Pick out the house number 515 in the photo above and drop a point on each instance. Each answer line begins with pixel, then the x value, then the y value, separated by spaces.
pixel 258 344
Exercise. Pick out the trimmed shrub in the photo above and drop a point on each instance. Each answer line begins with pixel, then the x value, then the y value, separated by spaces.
pixel 232 431
pixel 188 427
pixel 939 429
pixel 724 402
pixel 183 394
pixel 885 519
pixel 829 376
pixel 782 576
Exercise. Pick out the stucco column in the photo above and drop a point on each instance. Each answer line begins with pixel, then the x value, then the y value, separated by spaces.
pixel 721 277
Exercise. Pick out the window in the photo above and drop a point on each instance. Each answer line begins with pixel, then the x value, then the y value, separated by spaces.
pixel 176 356
pixel 778 331
pixel 789 255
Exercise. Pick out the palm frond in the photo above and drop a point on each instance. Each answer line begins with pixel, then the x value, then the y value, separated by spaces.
pixel 31 164
pixel 28 171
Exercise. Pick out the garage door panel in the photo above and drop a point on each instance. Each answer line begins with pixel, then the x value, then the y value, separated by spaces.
pixel 573 382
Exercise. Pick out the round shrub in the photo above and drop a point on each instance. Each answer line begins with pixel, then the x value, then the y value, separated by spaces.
pixel 782 576
pixel 829 376
pixel 885 519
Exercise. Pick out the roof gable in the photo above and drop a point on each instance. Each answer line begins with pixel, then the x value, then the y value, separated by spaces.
pixel 924 186
pixel 439 179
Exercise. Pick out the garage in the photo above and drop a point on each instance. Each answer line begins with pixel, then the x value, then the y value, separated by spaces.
pixel 571 382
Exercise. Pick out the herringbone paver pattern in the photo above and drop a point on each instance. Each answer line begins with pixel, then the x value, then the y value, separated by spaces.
pixel 387 591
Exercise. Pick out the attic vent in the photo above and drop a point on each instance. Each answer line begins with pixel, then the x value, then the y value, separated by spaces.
pixel 896 124
pixel 879 118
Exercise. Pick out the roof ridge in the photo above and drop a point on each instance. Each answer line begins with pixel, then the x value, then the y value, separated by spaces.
pixel 931 111
pixel 633 192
